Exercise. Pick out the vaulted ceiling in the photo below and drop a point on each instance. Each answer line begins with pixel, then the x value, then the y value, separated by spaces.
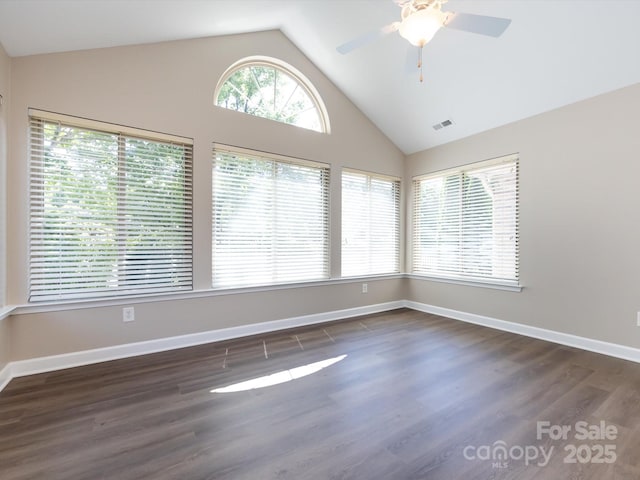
pixel 555 52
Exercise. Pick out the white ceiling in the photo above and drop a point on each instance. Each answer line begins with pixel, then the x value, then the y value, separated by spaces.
pixel 555 52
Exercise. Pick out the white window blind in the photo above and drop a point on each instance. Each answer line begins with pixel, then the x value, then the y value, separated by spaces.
pixel 465 223
pixel 3 203
pixel 110 210
pixel 370 224
pixel 270 219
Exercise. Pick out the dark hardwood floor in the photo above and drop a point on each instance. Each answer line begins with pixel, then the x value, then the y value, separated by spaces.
pixel 416 397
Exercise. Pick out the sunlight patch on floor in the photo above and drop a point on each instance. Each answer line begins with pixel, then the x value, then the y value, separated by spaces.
pixel 279 377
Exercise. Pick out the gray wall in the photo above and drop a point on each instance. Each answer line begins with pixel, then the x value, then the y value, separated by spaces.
pixel 578 168
pixel 42 334
pixel 169 87
pixel 579 223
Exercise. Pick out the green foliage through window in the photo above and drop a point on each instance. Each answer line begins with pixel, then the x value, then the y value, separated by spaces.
pixel 110 213
pixel 269 91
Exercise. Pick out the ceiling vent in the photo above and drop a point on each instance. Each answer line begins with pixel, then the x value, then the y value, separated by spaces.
pixel 443 124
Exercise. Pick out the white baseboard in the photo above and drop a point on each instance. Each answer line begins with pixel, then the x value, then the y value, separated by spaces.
pixel 75 359
pixel 5 376
pixel 597 346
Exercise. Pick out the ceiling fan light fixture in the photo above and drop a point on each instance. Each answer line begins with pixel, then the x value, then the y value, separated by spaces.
pixel 420 26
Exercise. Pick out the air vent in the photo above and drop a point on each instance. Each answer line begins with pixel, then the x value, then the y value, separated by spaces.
pixel 443 124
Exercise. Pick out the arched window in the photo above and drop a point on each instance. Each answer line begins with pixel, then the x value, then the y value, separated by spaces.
pixel 269 88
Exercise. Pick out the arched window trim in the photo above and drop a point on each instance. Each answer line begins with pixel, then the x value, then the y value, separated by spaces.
pixel 288 70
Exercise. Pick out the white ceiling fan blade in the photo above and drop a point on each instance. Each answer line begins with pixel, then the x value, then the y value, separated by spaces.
pixel 491 26
pixel 367 38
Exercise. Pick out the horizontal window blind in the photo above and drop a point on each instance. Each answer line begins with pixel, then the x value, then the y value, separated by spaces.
pixel 3 214
pixel 110 213
pixel 465 223
pixel 270 219
pixel 370 224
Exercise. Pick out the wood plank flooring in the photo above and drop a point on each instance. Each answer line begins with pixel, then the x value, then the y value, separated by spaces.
pixel 416 397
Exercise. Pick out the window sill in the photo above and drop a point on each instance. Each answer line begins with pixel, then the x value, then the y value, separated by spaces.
pixel 53 306
pixel 510 287
pixel 6 311
pixel 163 297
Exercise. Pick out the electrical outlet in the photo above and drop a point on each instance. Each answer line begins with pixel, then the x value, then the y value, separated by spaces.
pixel 365 288
pixel 128 314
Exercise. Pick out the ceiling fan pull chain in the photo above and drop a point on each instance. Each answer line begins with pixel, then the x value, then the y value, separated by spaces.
pixel 420 63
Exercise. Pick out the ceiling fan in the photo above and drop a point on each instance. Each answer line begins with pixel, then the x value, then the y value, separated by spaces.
pixel 420 20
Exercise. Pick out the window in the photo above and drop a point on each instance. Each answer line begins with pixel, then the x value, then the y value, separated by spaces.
pixel 465 223
pixel 268 88
pixel 270 219
pixel 110 210
pixel 370 224
pixel 3 203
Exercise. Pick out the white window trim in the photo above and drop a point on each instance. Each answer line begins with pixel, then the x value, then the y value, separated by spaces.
pixel 469 166
pixel 3 209
pixel 482 283
pixel 303 81
pixel 381 176
pixel 389 178
pixel 515 286
pixel 77 304
pixel 84 123
pixel 112 127
pixel 233 150
pixel 219 148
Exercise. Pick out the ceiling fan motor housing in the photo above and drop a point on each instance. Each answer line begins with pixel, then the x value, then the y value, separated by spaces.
pixel 421 19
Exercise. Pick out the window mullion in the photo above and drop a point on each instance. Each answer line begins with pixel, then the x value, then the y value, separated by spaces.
pixel 121 220
pixel 286 102
pixel 370 206
pixel 461 223
pixel 479 241
pixel 84 211
pixel 259 90
pixel 269 220
pixel 369 199
pixel 256 78
pixel 275 221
